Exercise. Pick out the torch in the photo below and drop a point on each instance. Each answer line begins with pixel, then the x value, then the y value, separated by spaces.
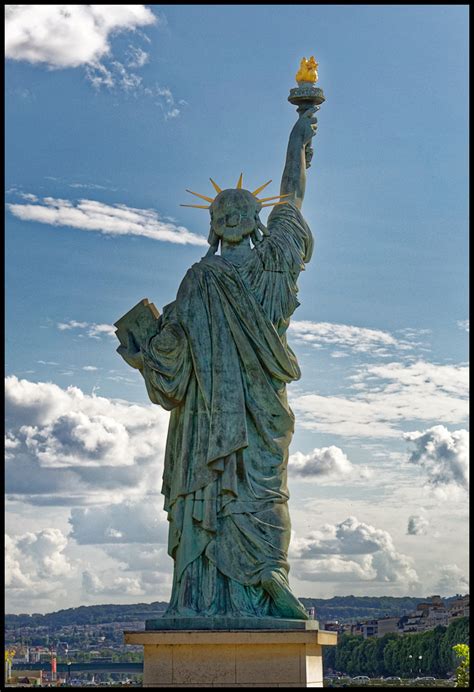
pixel 306 95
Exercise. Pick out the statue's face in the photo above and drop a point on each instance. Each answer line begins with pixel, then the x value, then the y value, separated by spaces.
pixel 234 214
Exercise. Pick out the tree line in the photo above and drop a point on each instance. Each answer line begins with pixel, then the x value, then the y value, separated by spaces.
pixel 409 655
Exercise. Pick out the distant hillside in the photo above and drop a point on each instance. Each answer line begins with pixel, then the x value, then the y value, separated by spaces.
pixel 88 615
pixel 351 608
pixel 342 608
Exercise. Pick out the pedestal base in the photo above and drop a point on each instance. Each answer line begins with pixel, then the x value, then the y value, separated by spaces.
pixel 232 658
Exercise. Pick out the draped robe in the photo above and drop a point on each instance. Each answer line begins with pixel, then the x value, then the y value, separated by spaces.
pixel 220 363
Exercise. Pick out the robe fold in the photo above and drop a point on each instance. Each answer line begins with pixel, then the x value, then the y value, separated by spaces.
pixel 220 363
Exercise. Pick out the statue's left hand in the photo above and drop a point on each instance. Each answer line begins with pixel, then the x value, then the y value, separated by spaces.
pixel 132 354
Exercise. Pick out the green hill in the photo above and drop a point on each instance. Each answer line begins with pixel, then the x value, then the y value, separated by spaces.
pixel 342 608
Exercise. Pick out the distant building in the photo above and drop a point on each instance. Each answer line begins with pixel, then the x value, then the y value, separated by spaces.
pixel 332 626
pixel 459 607
pixel 369 628
pixel 387 625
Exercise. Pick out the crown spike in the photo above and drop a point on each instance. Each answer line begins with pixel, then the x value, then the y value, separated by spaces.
pixel 259 189
pixel 208 199
pixel 273 204
pixel 196 206
pixel 267 199
pixel 239 182
pixel 216 186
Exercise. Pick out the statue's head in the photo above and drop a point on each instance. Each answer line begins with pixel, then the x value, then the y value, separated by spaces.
pixel 234 215
pixel 235 212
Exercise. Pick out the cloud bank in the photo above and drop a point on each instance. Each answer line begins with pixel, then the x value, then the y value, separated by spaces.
pixel 115 220
pixel 351 551
pixel 89 329
pixel 62 36
pixel 373 342
pixel 387 395
pixel 67 448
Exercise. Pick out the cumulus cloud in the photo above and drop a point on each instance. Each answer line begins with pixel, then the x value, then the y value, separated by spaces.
pixel 93 585
pixel 326 464
pixel 388 395
pixel 107 583
pixel 452 581
pixel 143 557
pixel 444 456
pixel 351 551
pixel 78 439
pixel 142 521
pixel 89 329
pixel 417 525
pixel 36 560
pixel 355 339
pixel 62 36
pixel 79 36
pixel 67 447
pixel 116 220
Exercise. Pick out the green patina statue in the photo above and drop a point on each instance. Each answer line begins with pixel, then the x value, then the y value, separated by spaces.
pixel 218 359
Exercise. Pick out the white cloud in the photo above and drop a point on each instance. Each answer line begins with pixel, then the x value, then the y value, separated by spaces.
pixel 89 329
pixel 351 551
pixel 28 196
pixel 141 557
pixel 94 585
pixel 67 447
pixel 417 525
pixel 88 186
pixel 452 581
pixel 36 560
pixel 464 325
pixel 166 101
pixel 90 368
pixel 115 75
pixel 140 521
pixel 147 583
pixel 78 439
pixel 15 577
pixel 118 219
pixel 388 395
pixel 62 36
pixel 79 36
pixel 326 464
pixel 356 339
pixel 137 57
pixel 444 456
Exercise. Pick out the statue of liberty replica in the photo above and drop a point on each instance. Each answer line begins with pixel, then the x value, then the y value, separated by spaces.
pixel 218 359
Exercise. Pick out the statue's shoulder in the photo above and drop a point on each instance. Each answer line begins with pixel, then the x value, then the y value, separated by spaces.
pixel 206 266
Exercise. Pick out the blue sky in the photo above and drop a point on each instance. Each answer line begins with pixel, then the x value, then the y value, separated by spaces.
pixel 110 115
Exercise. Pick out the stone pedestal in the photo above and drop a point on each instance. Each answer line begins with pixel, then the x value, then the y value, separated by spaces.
pixel 233 658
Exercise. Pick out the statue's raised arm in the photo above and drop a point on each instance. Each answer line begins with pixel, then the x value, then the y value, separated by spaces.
pixel 298 156
pixel 307 97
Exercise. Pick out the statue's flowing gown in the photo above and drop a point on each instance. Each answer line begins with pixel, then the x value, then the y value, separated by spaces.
pixel 220 362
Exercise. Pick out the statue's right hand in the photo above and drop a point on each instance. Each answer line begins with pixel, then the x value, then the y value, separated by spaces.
pixel 306 126
pixel 131 353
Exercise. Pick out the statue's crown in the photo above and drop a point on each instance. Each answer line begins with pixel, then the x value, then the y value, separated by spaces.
pixel 218 189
